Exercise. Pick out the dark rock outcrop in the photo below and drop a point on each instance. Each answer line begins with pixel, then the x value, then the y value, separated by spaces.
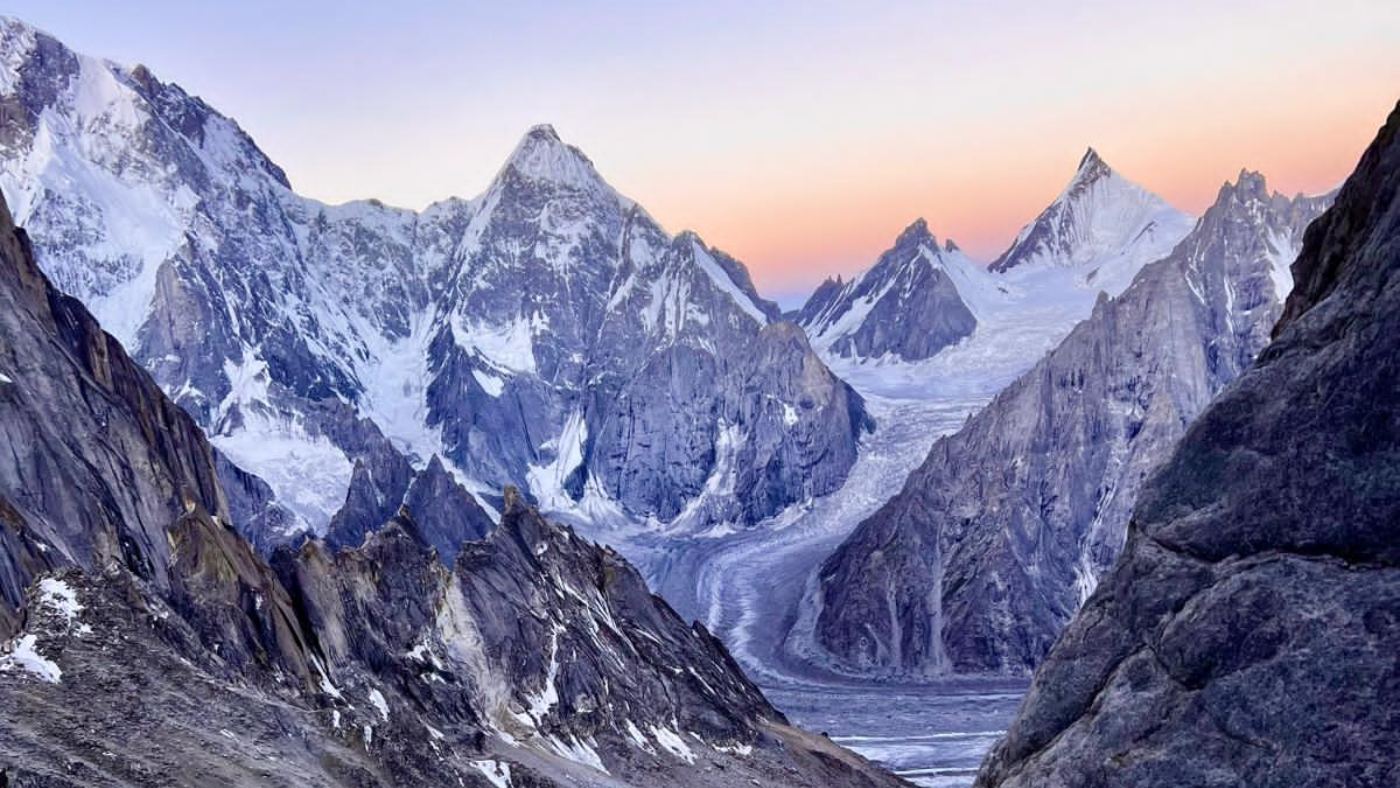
pixel 446 514
pixel 77 415
pixel 1248 634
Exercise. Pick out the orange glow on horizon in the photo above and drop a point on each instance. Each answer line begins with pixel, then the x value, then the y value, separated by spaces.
pixel 837 217
pixel 798 137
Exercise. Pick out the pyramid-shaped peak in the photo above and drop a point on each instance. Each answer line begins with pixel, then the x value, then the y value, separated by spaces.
pixel 1098 213
pixel 543 132
pixel 542 156
pixel 1091 168
pixel 915 234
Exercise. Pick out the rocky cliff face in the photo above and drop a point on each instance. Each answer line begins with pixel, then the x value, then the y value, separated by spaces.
pixel 143 640
pixel 76 415
pixel 498 333
pixel 1001 534
pixel 1248 634
pixel 908 305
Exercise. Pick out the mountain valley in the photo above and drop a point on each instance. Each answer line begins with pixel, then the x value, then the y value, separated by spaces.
pixel 524 489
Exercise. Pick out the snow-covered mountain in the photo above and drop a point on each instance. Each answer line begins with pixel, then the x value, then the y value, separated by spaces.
pixel 911 304
pixel 548 333
pixel 927 322
pixel 1100 216
pixel 536 657
pixel 1001 534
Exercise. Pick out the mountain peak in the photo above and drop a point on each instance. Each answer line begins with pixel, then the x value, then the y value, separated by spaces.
pixel 729 275
pixel 542 156
pixel 916 233
pixel 1252 181
pixel 21 42
pixel 1099 213
pixel 1248 187
pixel 542 131
pixel 14 25
pixel 1091 168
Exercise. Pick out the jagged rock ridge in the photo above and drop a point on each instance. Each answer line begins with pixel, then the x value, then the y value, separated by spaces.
pixel 995 541
pixel 1248 634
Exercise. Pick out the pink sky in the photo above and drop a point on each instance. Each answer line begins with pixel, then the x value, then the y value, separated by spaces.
pixel 798 136
pixel 980 189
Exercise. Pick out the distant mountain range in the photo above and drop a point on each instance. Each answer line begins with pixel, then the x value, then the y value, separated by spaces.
pixel 350 360
pixel 1001 534
pixel 547 334
pixel 304 515
pixel 925 321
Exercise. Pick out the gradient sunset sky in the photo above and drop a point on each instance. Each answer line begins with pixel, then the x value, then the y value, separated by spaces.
pixel 800 137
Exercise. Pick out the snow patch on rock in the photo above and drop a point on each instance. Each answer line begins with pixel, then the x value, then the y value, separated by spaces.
pixel 376 698
pixel 24 655
pixel 496 772
pixel 672 742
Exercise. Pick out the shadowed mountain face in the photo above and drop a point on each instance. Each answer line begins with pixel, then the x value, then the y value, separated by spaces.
pixel 520 336
pixel 994 542
pixel 1248 634
pixel 76 417
pixel 142 640
pixel 906 306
